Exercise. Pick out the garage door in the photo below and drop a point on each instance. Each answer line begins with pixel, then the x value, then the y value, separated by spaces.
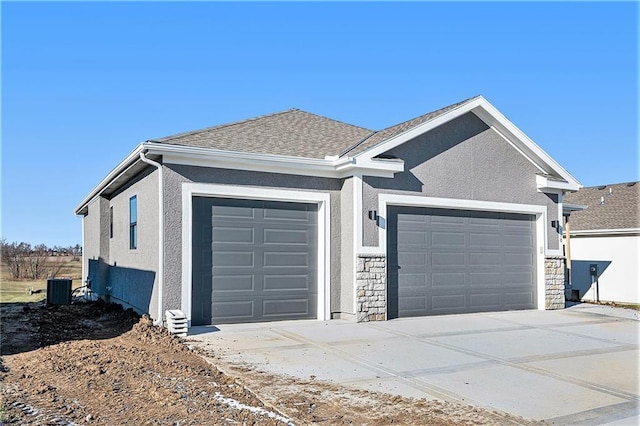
pixel 455 261
pixel 253 261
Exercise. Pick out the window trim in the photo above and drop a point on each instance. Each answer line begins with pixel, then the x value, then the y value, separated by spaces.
pixel 133 224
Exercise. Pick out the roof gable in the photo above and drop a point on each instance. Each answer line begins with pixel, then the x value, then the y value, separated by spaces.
pixel 382 135
pixel 608 207
pixel 493 118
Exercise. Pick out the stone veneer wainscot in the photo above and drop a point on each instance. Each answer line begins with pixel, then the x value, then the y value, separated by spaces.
pixel 371 288
pixel 554 282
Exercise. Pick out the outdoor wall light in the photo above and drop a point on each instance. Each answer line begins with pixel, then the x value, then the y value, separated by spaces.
pixel 373 215
pixel 554 224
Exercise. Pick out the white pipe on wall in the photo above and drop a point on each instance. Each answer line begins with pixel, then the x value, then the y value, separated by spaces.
pixel 159 320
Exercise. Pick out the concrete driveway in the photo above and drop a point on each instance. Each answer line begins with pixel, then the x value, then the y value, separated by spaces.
pixel 574 366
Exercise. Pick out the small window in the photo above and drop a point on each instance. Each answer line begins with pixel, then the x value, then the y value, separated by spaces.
pixel 133 222
pixel 111 222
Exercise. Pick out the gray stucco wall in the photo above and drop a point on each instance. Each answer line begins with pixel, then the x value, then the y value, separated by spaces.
pixel 91 239
pixel 133 273
pixel 347 254
pixel 462 159
pixel 176 175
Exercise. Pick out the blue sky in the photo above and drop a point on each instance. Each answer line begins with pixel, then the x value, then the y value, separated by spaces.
pixel 84 83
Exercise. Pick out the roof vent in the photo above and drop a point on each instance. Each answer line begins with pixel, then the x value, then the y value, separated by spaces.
pixel 601 200
pixel 631 183
pixel 602 187
pixel 610 191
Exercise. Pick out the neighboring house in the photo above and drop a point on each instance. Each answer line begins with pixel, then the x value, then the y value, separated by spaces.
pixel 294 215
pixel 605 234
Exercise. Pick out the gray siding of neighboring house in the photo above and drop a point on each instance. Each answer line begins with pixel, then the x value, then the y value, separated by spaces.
pixel 133 273
pixel 176 175
pixel 462 159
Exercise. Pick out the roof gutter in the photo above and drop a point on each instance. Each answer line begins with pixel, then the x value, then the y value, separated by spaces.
pixel 159 320
pixel 330 167
pixel 113 175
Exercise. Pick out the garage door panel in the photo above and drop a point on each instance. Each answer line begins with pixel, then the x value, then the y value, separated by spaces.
pixel 260 263
pixel 447 259
pixel 286 259
pixel 415 304
pixel 492 299
pixel 412 237
pixel 518 299
pixel 233 283
pixel 485 279
pixel 447 279
pixel 233 259
pixel 516 241
pixel 408 259
pixel 447 239
pixel 290 307
pixel 289 213
pixel 484 259
pixel 233 310
pixel 518 259
pixel 233 212
pixel 484 240
pixel 477 261
pixel 286 236
pixel 518 278
pixel 286 283
pixel 233 235
pixel 448 303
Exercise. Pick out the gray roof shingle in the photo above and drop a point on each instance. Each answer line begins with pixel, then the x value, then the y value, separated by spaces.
pixel 389 132
pixel 619 211
pixel 296 133
pixel 292 133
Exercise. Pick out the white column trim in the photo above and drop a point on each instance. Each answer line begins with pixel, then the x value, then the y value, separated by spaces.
pixel 190 190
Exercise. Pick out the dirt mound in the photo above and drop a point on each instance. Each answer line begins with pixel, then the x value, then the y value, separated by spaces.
pixel 95 363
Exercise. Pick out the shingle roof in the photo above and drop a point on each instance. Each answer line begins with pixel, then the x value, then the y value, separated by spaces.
pixel 296 133
pixel 293 133
pixel 389 132
pixel 619 211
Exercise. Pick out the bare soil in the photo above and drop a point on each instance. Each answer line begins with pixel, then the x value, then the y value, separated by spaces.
pixel 94 363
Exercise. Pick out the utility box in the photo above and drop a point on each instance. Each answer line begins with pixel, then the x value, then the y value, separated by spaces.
pixel 59 291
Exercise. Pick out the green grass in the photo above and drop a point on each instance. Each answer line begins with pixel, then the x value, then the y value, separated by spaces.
pixel 16 291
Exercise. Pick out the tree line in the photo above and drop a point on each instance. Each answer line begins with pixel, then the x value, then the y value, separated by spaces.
pixel 35 262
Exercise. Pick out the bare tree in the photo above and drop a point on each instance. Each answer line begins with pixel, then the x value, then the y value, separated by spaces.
pixel 15 255
pixel 38 262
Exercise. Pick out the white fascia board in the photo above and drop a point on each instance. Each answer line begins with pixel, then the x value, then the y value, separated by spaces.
pixel 330 168
pixel 418 130
pixel 492 117
pixel 117 171
pixel 605 232
pixel 545 184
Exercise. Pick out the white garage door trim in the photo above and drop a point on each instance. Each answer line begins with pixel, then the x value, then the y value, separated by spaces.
pixel 190 190
pixel 540 212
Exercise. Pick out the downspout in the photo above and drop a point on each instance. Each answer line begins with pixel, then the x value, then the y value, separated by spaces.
pixel 159 320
